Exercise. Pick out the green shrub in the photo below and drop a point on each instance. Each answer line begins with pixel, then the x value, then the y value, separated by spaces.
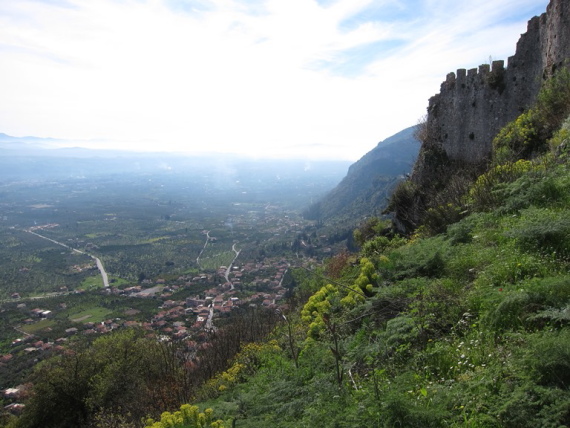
pixel 485 194
pixel 369 229
pixel 544 230
pixel 403 201
pixel 529 405
pixel 553 101
pixel 400 412
pixel 551 188
pixel 555 290
pixel 437 218
pixel 560 141
pixel 519 139
pixel 425 257
pixel 511 312
pixel 549 359
pixel 519 308
pixel 460 232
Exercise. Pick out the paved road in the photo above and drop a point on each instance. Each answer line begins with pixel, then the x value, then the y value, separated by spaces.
pixel 104 275
pixel 228 270
pixel 203 248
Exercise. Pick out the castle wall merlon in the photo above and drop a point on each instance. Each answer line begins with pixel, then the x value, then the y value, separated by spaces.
pixel 511 61
pixel 484 69
pixel 533 25
pixel 543 18
pixel 498 65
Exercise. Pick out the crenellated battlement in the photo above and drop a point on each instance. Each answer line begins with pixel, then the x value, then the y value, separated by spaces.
pixel 473 105
pixel 464 77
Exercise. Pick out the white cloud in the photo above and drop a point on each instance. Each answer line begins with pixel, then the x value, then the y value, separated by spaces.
pixel 268 77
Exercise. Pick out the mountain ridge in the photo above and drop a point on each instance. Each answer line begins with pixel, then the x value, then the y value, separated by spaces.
pixel 369 181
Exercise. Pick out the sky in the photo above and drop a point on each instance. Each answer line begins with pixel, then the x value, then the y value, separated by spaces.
pixel 283 78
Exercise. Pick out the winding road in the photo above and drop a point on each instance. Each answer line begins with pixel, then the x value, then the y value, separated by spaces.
pixel 104 275
pixel 228 270
pixel 203 248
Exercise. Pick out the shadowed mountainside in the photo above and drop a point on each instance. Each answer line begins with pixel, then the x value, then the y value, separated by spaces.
pixel 367 186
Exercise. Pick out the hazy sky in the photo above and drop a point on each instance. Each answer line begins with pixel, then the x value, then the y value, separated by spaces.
pixel 316 78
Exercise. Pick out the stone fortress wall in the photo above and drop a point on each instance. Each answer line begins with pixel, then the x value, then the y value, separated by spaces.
pixel 473 105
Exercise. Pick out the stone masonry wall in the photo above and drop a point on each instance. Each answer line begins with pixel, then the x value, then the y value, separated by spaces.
pixel 474 105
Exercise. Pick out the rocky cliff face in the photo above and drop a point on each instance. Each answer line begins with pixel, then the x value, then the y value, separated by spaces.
pixel 474 105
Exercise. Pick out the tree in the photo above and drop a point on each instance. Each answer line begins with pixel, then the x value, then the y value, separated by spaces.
pixel 124 374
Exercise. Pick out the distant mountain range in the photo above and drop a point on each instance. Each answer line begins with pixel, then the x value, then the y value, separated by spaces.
pixel 53 147
pixel 5 138
pixel 367 186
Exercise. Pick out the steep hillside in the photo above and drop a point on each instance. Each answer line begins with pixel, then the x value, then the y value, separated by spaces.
pixel 367 186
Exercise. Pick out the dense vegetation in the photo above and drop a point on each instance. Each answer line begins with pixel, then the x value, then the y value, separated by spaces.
pixel 465 323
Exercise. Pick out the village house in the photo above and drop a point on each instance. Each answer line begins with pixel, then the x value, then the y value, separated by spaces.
pixel 14 408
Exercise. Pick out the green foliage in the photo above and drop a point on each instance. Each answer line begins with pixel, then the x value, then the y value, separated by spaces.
pixel 485 195
pixel 553 101
pixel 438 217
pixel 399 411
pixel 402 201
pixel 544 230
pixel 381 244
pixel 549 359
pixel 369 229
pixel 528 305
pixel 519 139
pixel 122 373
pixel 244 363
pixel 560 141
pixel 529 405
pixel 422 258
